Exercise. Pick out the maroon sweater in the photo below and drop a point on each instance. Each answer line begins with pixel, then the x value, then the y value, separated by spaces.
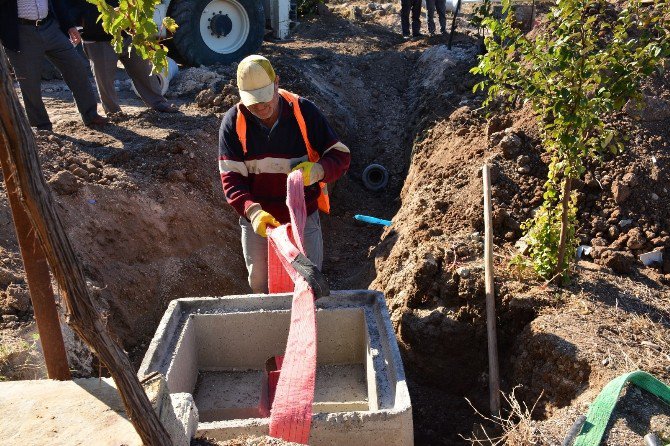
pixel 259 176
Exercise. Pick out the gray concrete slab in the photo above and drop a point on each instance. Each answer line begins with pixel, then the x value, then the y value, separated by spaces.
pixel 226 395
pixel 84 412
pixel 340 387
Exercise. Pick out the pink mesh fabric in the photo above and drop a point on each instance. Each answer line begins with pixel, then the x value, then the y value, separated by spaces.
pixel 291 414
pixel 279 280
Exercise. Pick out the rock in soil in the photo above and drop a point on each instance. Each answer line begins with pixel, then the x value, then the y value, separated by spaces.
pixel 64 183
pixel 619 261
pixel 18 297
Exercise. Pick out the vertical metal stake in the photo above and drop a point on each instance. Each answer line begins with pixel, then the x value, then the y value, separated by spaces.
pixel 494 376
pixel 39 281
pixel 453 24
pixel 532 16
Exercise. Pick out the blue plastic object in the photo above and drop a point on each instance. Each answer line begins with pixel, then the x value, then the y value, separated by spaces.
pixel 373 220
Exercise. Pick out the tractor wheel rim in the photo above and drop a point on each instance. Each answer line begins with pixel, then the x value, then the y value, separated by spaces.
pixel 224 26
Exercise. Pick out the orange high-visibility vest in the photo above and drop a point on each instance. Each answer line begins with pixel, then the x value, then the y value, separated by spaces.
pixel 241 129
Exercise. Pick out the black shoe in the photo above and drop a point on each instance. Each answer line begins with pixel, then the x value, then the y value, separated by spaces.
pixel 97 121
pixel 164 107
pixel 417 35
pixel 406 36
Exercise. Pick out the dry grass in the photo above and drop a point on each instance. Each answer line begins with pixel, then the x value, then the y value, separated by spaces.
pixel 17 359
pixel 639 331
pixel 514 429
pixel 641 344
pixel 243 440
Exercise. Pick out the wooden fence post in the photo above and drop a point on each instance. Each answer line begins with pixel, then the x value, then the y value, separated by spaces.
pixel 39 281
pixel 25 168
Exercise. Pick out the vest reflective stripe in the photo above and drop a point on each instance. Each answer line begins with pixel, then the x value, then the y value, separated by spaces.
pixel 323 201
pixel 293 100
pixel 241 129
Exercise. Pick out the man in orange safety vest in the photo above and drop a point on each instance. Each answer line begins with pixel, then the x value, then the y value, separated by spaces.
pixel 268 134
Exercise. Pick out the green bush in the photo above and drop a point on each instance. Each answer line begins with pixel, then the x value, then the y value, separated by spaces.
pixel 136 18
pixel 584 63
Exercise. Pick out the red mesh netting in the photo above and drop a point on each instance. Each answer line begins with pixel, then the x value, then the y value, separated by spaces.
pixel 291 414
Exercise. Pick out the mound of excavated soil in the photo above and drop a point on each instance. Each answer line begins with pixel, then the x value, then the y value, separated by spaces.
pixel 143 208
pixel 430 264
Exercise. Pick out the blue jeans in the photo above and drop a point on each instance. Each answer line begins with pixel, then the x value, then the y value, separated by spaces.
pixel 255 250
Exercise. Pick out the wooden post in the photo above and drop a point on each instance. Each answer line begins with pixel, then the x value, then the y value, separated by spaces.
pixel 494 376
pixel 25 168
pixel 39 281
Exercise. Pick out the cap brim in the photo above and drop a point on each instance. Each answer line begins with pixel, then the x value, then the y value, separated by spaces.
pixel 251 97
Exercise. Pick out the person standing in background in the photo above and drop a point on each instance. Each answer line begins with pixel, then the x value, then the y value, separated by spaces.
pixel 32 29
pixel 99 50
pixel 267 135
pixel 413 6
pixel 441 7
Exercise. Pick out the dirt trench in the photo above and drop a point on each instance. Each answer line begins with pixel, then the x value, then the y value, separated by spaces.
pixel 389 105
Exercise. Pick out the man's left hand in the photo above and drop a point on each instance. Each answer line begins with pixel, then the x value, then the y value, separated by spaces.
pixel 75 37
pixel 311 172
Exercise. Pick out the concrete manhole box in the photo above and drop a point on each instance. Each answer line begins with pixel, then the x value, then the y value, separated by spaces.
pixel 216 348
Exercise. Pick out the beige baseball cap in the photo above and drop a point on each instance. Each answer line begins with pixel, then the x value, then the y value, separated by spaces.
pixel 255 80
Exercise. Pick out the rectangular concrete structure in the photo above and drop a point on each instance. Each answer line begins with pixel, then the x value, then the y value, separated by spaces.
pixel 216 350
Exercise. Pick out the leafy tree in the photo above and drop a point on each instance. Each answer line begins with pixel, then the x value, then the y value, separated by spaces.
pixel 584 64
pixel 307 7
pixel 136 19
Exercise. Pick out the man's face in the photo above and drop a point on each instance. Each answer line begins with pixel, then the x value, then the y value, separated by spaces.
pixel 265 110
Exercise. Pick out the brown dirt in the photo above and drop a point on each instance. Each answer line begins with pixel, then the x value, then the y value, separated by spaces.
pixel 430 268
pixel 142 203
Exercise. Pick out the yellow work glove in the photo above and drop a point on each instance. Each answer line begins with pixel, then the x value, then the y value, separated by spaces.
pixel 260 219
pixel 311 172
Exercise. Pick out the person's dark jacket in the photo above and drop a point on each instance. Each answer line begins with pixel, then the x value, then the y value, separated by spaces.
pixel 86 15
pixel 9 21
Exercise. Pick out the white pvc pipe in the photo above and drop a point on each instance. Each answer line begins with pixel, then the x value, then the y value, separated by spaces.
pixel 451 4
pixel 164 77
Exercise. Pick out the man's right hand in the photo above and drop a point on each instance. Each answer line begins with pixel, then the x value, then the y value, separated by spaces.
pixel 260 220
pixel 75 37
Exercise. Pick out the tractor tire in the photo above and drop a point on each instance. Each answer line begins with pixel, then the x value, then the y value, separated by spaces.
pixel 217 31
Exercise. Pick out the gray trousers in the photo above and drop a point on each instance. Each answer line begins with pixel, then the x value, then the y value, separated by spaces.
pixel 255 250
pixel 103 62
pixel 441 6
pixel 35 42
